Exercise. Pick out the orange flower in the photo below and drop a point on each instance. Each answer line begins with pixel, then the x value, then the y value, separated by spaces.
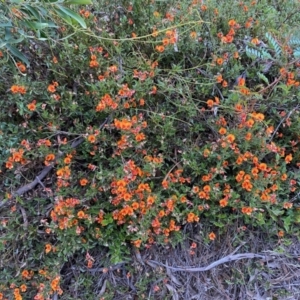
pixel 193 245
pixel 23 288
pixel 223 202
pixel 219 78
pixel 240 160
pixel 202 195
pixel 25 274
pixel 50 157
pixel 191 217
pixel 94 64
pixel 31 106
pixel 254 171
pixel 83 181
pixel 287 205
pixel 212 236
pixel 206 153
pixel 288 158
pixel 165 42
pixel 55 283
pixel 81 214
pixel 9 165
pixel 255 41
pixel 17 156
pixel 160 48
pixel 231 22
pixel 224 83
pixel 21 67
pixel 210 102
pixel 247 210
pixel 230 138
pixel 51 88
pixel 241 81
pixel 248 136
pixel 137 243
pixel 195 189
pixel 155 223
pixel 250 123
pixel 222 130
pixel 220 61
pixel 139 137
pixel 247 185
pixel 67 159
pixel 206 188
pixel 280 233
pixel 262 167
pixel 91 138
pixel 161 213
pixel 18 89
pixel 165 184
pixel 193 35
pixel 135 205
pixel 48 248
pixel 113 68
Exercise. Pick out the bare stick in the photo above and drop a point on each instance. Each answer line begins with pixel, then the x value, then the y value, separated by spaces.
pixel 32 184
pixel 223 260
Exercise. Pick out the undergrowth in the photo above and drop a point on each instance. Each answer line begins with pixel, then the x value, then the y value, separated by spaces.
pixel 156 115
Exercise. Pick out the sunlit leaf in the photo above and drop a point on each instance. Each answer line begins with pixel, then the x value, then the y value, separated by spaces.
pixel 71 14
pixel 15 52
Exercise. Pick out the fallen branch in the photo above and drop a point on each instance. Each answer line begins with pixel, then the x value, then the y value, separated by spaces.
pixel 223 260
pixel 32 184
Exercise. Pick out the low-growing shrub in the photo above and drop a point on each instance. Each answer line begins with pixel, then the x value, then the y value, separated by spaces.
pixel 157 115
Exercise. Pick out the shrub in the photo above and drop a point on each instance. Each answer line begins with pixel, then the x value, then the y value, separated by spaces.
pixel 155 116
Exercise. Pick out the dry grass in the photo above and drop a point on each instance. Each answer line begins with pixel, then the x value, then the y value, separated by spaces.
pixel 275 276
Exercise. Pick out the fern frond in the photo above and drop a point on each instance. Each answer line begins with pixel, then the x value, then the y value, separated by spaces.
pixel 257 53
pixel 294 41
pixel 274 44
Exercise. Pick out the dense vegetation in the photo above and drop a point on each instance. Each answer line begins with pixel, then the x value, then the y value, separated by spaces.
pixel 123 123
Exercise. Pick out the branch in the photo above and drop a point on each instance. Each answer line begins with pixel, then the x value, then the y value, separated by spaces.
pixel 223 260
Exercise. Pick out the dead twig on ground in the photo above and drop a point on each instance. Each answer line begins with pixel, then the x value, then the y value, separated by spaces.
pixel 223 260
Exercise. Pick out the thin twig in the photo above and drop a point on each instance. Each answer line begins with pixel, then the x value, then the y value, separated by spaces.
pixel 283 119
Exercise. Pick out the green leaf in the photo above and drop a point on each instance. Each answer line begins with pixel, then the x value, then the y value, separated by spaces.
pixel 79 2
pixel 9 24
pixel 287 223
pixel 7 33
pixel 263 77
pixel 31 11
pixel 15 52
pixel 71 14
pixel 15 41
pixel 107 220
pixel 65 17
pixel 39 25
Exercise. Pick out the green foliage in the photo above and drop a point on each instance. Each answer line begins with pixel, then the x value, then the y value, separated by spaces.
pixel 135 121
pixel 21 21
